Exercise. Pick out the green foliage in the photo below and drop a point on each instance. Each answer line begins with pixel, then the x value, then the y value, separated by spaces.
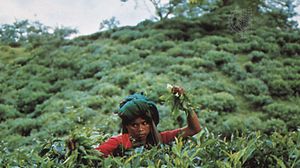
pixel 109 24
pixel 221 102
pixel 254 87
pixel 65 91
pixel 275 125
pixel 126 35
pixel 291 49
pixel 280 88
pixel 229 47
pixel 219 57
pixel 142 43
pixel 287 113
pixel 165 45
pixel 234 71
pixel 23 126
pixel 217 40
pixel 8 111
pixel 259 101
pixel 257 56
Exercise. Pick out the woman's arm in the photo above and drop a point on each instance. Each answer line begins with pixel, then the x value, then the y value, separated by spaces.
pixel 193 126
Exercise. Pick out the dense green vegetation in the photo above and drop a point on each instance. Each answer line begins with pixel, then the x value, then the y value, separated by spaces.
pixel 58 95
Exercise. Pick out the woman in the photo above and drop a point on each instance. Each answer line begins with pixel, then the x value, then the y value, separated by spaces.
pixel 139 120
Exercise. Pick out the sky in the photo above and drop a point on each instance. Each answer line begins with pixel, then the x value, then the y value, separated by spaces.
pixel 83 15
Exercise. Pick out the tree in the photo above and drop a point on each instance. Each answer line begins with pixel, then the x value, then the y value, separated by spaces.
pixel 27 32
pixel 281 11
pixel 108 24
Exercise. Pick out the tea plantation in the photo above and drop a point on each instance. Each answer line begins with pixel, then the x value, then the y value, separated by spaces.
pixel 59 95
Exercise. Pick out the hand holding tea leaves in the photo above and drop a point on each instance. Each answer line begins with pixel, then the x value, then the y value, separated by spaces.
pixel 179 100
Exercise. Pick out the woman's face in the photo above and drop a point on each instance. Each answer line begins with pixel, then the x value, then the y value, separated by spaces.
pixel 139 129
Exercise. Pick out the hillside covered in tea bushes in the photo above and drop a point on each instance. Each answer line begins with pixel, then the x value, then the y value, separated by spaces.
pixel 59 95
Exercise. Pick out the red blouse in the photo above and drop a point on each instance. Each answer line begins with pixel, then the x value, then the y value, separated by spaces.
pixel 111 144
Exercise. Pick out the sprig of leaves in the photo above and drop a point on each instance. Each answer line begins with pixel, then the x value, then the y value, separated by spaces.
pixel 178 99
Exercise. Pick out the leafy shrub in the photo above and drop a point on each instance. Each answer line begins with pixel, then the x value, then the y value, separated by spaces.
pixel 180 52
pixel 59 75
pixel 271 48
pixel 164 46
pixel 202 47
pixel 143 44
pixel 195 62
pixel 249 67
pixel 52 105
pixel 239 124
pixel 229 47
pixel 279 88
pixel 89 70
pixel 184 70
pixel 291 49
pixel 126 35
pixel 119 59
pixel 83 85
pixel 257 56
pixel 72 151
pixel 275 125
pixel 161 61
pixel 105 89
pixel 8 111
pixel 244 47
pixel 288 36
pixel 176 35
pixel 295 86
pixel 53 125
pixel 259 101
pixel 219 57
pixel 28 99
pixel 121 79
pixel 254 86
pixel 234 71
pixel 221 102
pixel 287 113
pixel 23 126
pixel 217 40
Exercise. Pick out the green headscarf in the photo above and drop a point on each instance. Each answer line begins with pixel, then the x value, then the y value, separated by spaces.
pixel 137 105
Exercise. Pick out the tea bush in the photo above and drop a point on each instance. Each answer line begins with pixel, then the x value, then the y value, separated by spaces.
pixel 275 125
pixel 217 40
pixel 238 124
pixel 221 102
pixel 8 111
pixel 287 113
pixel 254 86
pixel 126 35
pixel 143 43
pixel 259 101
pixel 183 70
pixel 279 88
pixel 229 47
pixel 164 46
pixel 178 51
pixel 257 56
pixel 219 57
pixel 23 126
pixel 202 47
pixel 291 49
pixel 234 71
pixel 27 100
